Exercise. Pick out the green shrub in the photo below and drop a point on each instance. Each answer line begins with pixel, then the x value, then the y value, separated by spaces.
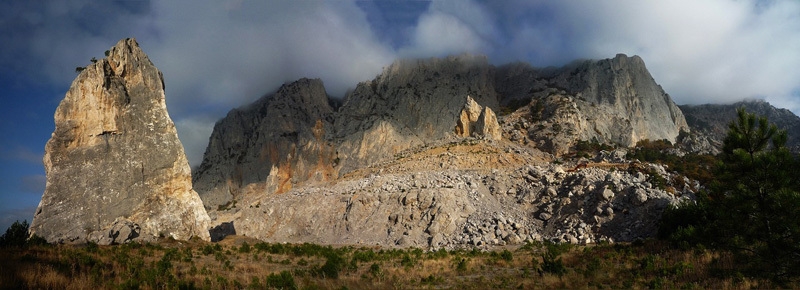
pixel 506 255
pixel 407 261
pixel 245 248
pixel 461 265
pixel 375 270
pixel 551 262
pixel 334 264
pixel 16 235
pixel 284 280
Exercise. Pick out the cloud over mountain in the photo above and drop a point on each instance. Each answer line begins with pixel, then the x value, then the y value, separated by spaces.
pixel 217 55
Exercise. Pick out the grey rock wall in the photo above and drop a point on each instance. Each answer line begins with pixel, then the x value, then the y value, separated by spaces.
pixel 709 124
pixel 613 101
pixel 411 103
pixel 116 170
pixel 268 146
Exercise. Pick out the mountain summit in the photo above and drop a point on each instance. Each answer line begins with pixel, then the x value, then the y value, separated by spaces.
pixel 613 101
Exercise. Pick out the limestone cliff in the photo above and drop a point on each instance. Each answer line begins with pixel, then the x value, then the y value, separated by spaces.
pixel 268 146
pixel 612 101
pixel 116 170
pixel 411 103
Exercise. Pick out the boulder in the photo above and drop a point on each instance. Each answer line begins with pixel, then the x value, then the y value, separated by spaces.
pixel 477 121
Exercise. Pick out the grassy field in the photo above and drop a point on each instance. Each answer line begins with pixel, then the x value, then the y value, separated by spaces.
pixel 239 263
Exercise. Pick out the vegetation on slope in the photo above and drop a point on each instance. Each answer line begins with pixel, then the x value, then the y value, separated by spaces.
pixel 752 208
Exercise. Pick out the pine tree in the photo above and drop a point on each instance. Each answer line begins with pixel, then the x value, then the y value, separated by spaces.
pixel 16 235
pixel 753 206
pixel 757 192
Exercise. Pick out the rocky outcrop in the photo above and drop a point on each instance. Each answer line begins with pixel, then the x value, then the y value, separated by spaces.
pixel 294 137
pixel 411 103
pixel 477 121
pixel 268 146
pixel 709 124
pixel 613 101
pixel 116 170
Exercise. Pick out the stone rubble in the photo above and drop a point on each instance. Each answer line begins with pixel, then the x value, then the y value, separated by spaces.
pixel 464 208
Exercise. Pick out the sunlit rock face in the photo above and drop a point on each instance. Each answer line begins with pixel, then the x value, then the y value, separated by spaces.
pixel 613 101
pixel 116 170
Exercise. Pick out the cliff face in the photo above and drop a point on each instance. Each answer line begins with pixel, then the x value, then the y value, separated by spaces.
pixel 294 136
pixel 411 103
pixel 268 146
pixel 612 101
pixel 709 124
pixel 116 170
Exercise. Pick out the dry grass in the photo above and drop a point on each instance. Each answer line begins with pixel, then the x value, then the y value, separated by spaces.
pixel 200 265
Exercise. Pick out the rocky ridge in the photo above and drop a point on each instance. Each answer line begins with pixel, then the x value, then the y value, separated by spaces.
pixel 477 121
pixel 116 170
pixel 614 101
pixel 419 158
pixel 709 124
pixel 411 103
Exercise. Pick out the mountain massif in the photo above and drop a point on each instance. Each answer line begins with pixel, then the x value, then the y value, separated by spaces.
pixel 418 156
pixel 435 153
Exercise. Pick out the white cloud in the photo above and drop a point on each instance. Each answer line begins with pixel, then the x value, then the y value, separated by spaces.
pixel 451 27
pixel 216 56
pixel 193 133
pixel 21 153
pixel 700 51
pixel 439 34
pixel 232 53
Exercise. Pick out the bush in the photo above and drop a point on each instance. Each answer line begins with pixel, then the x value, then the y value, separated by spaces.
pixel 589 148
pixel 284 280
pixel 551 262
pixel 16 235
pixel 333 265
pixel 245 248
pixel 461 266
pixel 375 270
pixel 507 256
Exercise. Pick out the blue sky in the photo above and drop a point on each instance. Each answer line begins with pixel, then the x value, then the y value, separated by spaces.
pixel 217 55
